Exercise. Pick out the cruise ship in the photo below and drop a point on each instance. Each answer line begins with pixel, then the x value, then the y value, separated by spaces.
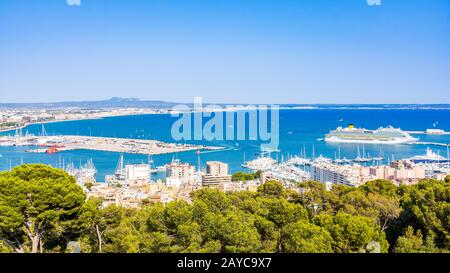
pixel 388 135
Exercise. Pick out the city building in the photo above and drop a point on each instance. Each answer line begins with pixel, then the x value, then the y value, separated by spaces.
pixel 399 172
pixel 350 175
pixel 137 173
pixel 217 176
pixel 435 132
pixel 216 168
pixel 178 173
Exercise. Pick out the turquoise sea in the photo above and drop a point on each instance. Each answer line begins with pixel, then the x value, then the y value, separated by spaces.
pixel 299 129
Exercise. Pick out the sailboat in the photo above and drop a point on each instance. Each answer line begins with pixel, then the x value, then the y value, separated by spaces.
pixel 338 159
pixel 360 158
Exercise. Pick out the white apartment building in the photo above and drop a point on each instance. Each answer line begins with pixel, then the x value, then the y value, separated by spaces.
pixel 216 175
pixel 178 173
pixel 350 175
pixel 139 172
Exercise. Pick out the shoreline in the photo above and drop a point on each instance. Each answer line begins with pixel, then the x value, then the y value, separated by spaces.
pixel 77 119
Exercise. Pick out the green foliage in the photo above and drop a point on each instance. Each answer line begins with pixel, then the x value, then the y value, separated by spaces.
pixel 427 207
pixel 244 177
pixel 39 208
pixel 88 185
pixel 409 242
pixel 42 209
pixel 215 200
pixel 382 187
pixel 304 237
pixel 350 233
pixel 271 188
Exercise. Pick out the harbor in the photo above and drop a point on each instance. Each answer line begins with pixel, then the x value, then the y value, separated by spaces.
pixel 119 145
pixel 136 137
pixel 62 143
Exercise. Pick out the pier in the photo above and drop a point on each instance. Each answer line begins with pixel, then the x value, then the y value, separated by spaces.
pixel 440 133
pixel 430 144
pixel 56 144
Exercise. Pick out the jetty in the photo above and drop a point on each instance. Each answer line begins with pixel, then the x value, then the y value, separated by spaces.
pixel 56 144
pixel 430 143
pixel 428 132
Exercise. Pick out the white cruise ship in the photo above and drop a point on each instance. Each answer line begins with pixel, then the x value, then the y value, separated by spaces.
pixel 388 135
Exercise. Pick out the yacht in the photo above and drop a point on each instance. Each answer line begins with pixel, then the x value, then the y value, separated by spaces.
pixel 430 156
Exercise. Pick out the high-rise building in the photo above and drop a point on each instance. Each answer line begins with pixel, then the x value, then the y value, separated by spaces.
pixel 216 168
pixel 216 175
pixel 139 172
pixel 400 172
pixel 178 173
pixel 351 175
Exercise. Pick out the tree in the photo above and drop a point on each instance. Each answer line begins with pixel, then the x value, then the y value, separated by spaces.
pixel 214 199
pixel 124 238
pixel 237 232
pixel 427 207
pixel 89 185
pixel 447 179
pixel 271 188
pixel 410 242
pixel 314 196
pixel 244 177
pixel 98 220
pixel 380 186
pixel 388 209
pixel 282 212
pixel 37 201
pixel 304 237
pixel 351 233
pixel 177 213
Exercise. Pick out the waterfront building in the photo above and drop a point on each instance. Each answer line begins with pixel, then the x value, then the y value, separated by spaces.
pixel 435 132
pixel 216 168
pixel 399 172
pixel 137 173
pixel 350 175
pixel 217 176
pixel 178 173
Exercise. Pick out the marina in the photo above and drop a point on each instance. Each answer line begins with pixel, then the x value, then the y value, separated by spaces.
pixel 298 138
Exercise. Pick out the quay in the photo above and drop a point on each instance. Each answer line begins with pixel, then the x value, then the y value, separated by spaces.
pixel 54 144
pixel 428 132
pixel 430 144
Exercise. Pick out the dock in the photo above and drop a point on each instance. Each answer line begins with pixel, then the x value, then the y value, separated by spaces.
pixel 438 133
pixel 430 144
pixel 56 144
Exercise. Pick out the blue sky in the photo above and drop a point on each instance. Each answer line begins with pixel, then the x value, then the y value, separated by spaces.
pixel 246 51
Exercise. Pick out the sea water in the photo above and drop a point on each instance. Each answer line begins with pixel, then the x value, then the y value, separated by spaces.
pixel 300 130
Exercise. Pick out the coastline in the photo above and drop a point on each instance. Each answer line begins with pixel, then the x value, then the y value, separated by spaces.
pixel 76 119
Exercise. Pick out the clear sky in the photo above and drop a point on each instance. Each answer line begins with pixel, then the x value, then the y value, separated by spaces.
pixel 233 51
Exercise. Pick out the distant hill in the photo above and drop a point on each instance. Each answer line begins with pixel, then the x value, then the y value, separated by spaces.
pixel 114 102
pixel 117 102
